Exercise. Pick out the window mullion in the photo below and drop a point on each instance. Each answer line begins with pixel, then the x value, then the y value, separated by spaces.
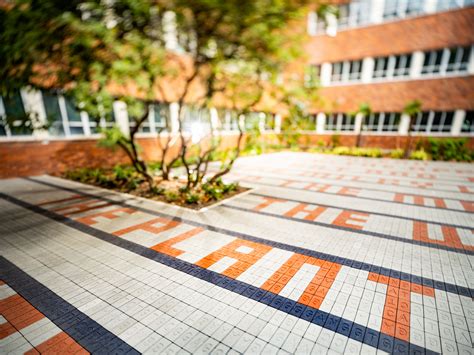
pixel 64 116
pixel 430 121
pixel 444 61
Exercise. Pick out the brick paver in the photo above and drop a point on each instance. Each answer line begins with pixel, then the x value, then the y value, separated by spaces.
pixel 325 254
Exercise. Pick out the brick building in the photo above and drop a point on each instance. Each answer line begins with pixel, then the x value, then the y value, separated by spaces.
pixel 385 53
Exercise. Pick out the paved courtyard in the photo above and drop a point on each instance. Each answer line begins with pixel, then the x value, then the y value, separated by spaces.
pixel 325 254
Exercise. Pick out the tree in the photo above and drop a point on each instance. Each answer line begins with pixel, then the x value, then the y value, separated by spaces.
pixel 364 111
pixel 102 51
pixel 411 109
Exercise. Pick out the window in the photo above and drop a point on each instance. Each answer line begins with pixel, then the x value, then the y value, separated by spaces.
pixel 452 4
pixel 449 60
pixel 106 121
pixel 390 9
pixel 73 118
pixel 432 62
pixel 158 118
pixel 402 65
pixel 252 121
pixel 196 121
pixel 343 18
pixel 315 24
pixel 312 75
pixel 62 114
pixel 468 124
pixel 434 121
pixel 381 66
pixel 394 9
pixel 346 71
pixel 359 13
pixel 355 70
pixel 14 112
pixel 415 7
pixel 53 114
pixel 339 122
pixel 161 116
pixel 393 66
pixel 229 120
pixel 458 59
pixel 336 74
pixel 269 121
pixel 441 121
pixel 382 122
pixel 421 122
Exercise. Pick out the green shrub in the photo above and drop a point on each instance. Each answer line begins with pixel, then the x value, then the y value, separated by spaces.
pixel 158 190
pixel 397 154
pixel 448 149
pixel 218 188
pixel 212 191
pixel 357 152
pixel 341 151
pixel 419 155
pixel 230 187
pixel 335 140
pixel 171 196
pixel 192 198
pixel 367 152
pixel 123 173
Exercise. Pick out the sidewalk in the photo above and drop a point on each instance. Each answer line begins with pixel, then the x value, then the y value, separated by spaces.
pixel 325 254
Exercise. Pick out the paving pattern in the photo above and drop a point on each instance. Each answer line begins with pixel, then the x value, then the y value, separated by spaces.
pixel 326 254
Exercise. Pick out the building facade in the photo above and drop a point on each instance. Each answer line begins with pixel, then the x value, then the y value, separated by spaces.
pixel 386 53
pixel 383 53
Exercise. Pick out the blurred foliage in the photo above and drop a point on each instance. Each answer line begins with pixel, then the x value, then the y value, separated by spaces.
pixel 448 149
pixel 397 154
pixel 419 155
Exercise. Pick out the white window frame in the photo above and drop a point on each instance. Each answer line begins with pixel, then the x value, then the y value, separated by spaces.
pixel 432 68
pixel 403 69
pixel 3 116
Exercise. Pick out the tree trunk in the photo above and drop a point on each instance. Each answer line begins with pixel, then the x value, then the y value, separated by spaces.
pixel 407 152
pixel 359 135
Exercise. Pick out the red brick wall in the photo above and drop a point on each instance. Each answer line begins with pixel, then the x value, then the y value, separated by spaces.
pixel 369 141
pixel 435 94
pixel 452 28
pixel 35 158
